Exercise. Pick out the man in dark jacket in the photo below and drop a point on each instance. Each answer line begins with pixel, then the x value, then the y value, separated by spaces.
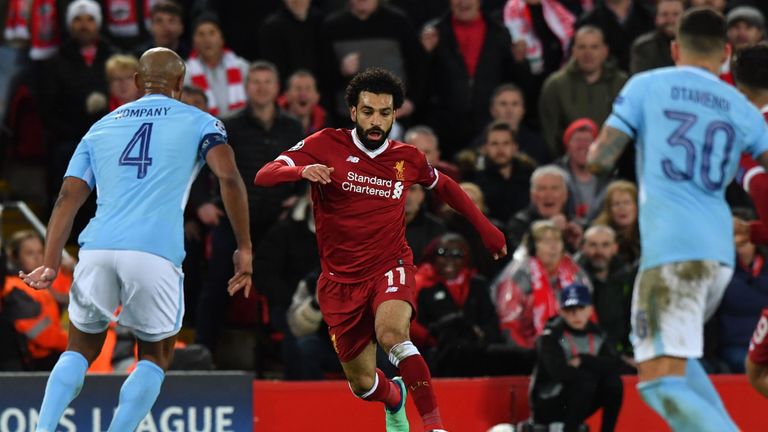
pixel 472 57
pixel 652 50
pixel 576 370
pixel 257 134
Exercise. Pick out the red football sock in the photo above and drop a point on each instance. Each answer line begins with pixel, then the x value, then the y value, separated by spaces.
pixel 386 391
pixel 419 382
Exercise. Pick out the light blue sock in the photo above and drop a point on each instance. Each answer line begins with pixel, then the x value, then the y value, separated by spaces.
pixel 698 381
pixel 682 408
pixel 137 396
pixel 63 386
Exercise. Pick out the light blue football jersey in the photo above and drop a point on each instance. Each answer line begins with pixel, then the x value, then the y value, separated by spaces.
pixel 142 158
pixel 690 129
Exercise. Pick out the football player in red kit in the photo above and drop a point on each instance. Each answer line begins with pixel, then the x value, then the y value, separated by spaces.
pixel 750 71
pixel 359 181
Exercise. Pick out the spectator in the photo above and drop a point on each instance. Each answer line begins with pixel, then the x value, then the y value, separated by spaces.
pixel 74 93
pixel 471 56
pixel 718 5
pixel 301 99
pixel 120 70
pixel 613 281
pixel 457 311
pixel 621 21
pixel 36 314
pixel 316 356
pixel 215 69
pixel 586 189
pixel 288 251
pixel 549 198
pixel 652 50
pixel 505 178
pixel 508 104
pixel 526 292
pixel 743 301
pixel 576 372
pixel 290 38
pixel 456 223
pixel 746 27
pixel 192 95
pixel 585 87
pixel 370 34
pixel 421 226
pixel 166 19
pixel 127 22
pixel 34 25
pixel 620 213
pixel 257 134
pixel 425 139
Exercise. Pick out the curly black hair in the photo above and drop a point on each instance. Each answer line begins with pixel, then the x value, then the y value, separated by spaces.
pixel 378 81
pixel 750 67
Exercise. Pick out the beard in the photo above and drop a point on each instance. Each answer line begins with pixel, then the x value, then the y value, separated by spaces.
pixel 372 144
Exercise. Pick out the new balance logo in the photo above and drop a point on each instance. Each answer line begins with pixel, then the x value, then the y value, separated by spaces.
pixel 391 289
pixel 353 159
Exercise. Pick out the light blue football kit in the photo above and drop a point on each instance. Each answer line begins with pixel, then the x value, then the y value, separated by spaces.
pixel 690 129
pixel 142 159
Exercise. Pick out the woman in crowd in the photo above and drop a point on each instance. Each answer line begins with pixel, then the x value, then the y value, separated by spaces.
pixel 620 213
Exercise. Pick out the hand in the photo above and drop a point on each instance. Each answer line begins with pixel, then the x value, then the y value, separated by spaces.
pixel 500 254
pixel 243 278
pixel 740 232
pixel 519 49
pixel 350 64
pixel 405 110
pixel 429 38
pixel 575 362
pixel 560 221
pixel 209 214
pixel 573 234
pixel 40 278
pixel 317 173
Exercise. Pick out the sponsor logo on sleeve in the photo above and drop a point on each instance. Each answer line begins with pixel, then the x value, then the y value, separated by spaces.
pixel 298 146
pixel 220 127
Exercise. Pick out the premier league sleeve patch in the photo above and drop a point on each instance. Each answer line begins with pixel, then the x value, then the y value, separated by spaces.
pixel 298 146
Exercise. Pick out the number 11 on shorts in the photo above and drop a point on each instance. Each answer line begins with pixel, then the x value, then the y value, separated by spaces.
pixel 391 276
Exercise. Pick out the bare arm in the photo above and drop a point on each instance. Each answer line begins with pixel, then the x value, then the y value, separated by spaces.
pixel 73 193
pixel 221 160
pixel 605 151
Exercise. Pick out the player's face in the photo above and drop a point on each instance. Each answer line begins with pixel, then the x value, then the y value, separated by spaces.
pixel 84 29
pixel 30 254
pixel 599 247
pixel 500 147
pixel 576 317
pixel 262 88
pixel 373 117
pixel 509 107
pixel 589 51
pixel 208 41
pixel 450 259
pixel 166 29
pixel 465 10
pixel 302 95
pixel 549 248
pixel 122 85
pixel 742 35
pixel 549 194
pixel 668 14
pixel 427 145
pixel 623 209
pixel 578 147
pixel 194 99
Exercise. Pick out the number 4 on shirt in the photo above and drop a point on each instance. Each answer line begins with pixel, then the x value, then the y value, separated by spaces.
pixel 142 161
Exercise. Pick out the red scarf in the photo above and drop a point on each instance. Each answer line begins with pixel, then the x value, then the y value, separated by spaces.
pixel 458 287
pixel 517 18
pixel 470 37
pixel 545 304
pixel 316 116
pixel 122 16
pixel 235 84
pixel 43 31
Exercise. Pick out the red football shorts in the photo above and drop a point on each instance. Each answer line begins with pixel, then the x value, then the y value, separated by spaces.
pixel 350 309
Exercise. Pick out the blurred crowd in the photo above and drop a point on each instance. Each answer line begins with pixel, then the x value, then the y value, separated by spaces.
pixel 505 96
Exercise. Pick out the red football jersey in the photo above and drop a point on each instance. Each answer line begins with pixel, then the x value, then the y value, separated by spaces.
pixel 360 215
pixel 758 346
